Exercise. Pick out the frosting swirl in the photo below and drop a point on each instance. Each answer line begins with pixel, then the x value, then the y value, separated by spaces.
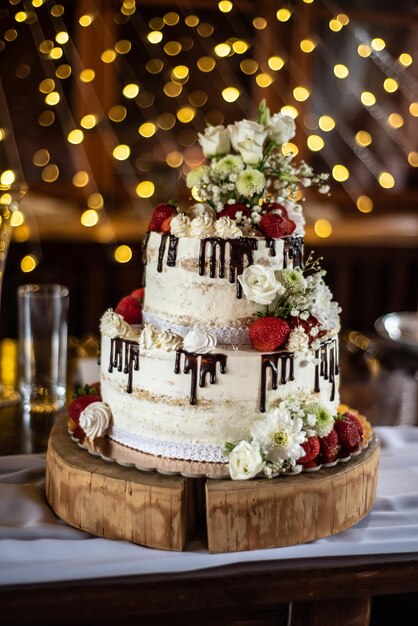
pixel 227 228
pixel 298 340
pixel 148 337
pixel 95 419
pixel 180 225
pixel 201 227
pixel 199 210
pixel 199 340
pixel 113 325
pixel 168 341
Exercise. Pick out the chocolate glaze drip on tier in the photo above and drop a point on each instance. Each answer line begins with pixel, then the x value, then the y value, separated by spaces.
pixel 207 366
pixel 328 366
pixel 238 250
pixel 172 251
pixel 124 355
pixel 144 255
pixel 293 249
pixel 272 361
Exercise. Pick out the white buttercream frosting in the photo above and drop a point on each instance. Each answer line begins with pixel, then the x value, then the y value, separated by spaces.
pixel 199 340
pixel 148 337
pixel 169 341
pixel 95 419
pixel 180 225
pixel 298 340
pixel 113 325
pixel 201 227
pixel 227 228
pixel 152 338
pixel 199 210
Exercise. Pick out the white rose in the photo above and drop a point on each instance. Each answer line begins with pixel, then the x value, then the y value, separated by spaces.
pixel 201 227
pixel 251 152
pixel 180 225
pixel 246 129
pixel 245 461
pixel 95 419
pixel 215 141
pixel 281 128
pixel 259 284
pixel 199 340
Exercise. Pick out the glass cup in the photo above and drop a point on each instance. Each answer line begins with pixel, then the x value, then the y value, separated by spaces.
pixel 43 312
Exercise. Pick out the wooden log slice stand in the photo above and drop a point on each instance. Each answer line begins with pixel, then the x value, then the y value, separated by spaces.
pixel 165 512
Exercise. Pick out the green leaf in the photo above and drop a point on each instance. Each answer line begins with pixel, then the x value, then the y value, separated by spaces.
pixel 229 446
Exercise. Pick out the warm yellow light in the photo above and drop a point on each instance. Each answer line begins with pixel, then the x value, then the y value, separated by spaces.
pixel 205 30
pixel 307 45
pixel 62 37
pixel 166 121
pixel 46 118
pixel 86 20
pixel 80 179
pixel 363 138
pixel 20 16
pixel 88 121
pixel 41 157
pixel 191 21
pixel 121 152
pixel 174 159
pixel 222 50
pixel 368 98
pixel 386 180
pixel 225 6
pixel 123 254
pixel 239 47
pixel 289 148
pixel 11 34
pixel 275 63
pixel 172 48
pixel 46 46
pixel 154 66
pixel 301 93
pixel 263 80
pixel 323 228
pixel 123 46
pixel 413 109
pixel 180 72
pixel 63 71
pixel 340 173
pixel 75 136
pixel 108 56
pixel 343 19
pixel 47 85
pixel 405 59
pixel 52 98
pixel 259 23
pixel 89 218
pixel 326 123
pixel 7 178
pixel 147 129
pixel 57 10
pixel 390 85
pixel 50 173
pixel 364 204
pixel 395 120
pixel 145 189
pixel 172 90
pixel 378 44
pixel 17 219
pixel 95 200
pixel 335 25
pixel 28 263
pixel 248 66
pixel 364 50
pixel 5 200
pixel 117 113
pixel 290 111
pixel 21 233
pixel 155 36
pixel 206 64
pixel 315 143
pixel 131 91
pixel 55 53
pixel 341 71
pixel 186 114
pixel 413 159
pixel 86 76
pixel 283 15
pixel 230 94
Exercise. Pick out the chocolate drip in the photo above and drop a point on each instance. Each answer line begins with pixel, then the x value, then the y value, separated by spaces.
pixel 144 247
pixel 161 251
pixel 327 365
pixel 271 243
pixel 293 249
pixel 272 361
pixel 207 366
pixel 172 251
pixel 124 354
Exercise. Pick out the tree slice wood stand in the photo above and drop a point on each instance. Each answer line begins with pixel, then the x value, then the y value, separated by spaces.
pixel 165 512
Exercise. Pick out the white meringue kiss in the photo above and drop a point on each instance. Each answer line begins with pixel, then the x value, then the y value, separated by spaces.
pixel 95 419
pixel 199 340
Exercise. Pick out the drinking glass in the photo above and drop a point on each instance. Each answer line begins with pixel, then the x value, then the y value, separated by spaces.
pixel 43 313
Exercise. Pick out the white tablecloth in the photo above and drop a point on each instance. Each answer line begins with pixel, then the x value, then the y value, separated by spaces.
pixel 35 546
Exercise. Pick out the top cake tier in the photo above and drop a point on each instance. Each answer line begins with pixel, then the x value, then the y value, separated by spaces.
pixel 194 281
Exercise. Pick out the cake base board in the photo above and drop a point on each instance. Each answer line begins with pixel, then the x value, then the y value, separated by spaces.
pixel 166 511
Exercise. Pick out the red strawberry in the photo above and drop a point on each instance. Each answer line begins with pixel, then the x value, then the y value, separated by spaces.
pixel 160 213
pixel 348 435
pixel 276 226
pixel 231 210
pixel 311 447
pixel 275 207
pixel 166 225
pixel 130 309
pixel 138 293
pixel 307 326
pixel 269 333
pixel 329 446
pixel 78 405
pixel 352 417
